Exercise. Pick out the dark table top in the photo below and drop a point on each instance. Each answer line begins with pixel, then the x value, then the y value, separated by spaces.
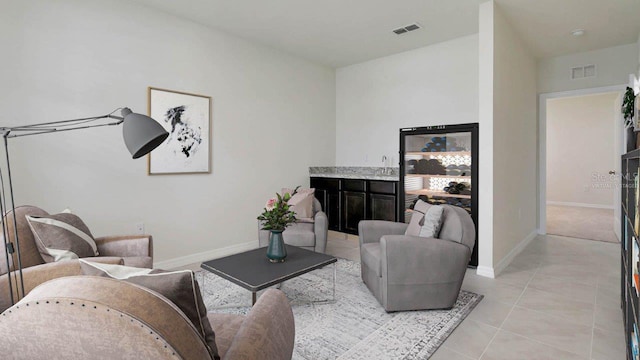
pixel 253 271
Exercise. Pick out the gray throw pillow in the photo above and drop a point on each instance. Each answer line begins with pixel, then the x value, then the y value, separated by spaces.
pixel 180 287
pixel 62 237
pixel 432 222
pixel 417 217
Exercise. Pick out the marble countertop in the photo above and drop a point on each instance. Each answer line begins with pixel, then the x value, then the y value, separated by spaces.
pixel 350 172
pixel 357 176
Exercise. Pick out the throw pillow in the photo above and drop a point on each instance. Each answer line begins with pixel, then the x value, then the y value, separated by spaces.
pixel 180 287
pixel 432 222
pixel 302 203
pixel 417 217
pixel 62 237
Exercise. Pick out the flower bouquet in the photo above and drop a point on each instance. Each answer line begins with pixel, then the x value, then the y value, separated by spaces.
pixel 276 216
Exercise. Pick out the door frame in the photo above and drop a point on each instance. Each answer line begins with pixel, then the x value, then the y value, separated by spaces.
pixel 542 146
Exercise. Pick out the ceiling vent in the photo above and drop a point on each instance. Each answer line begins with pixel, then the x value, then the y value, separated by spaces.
pixel 407 28
pixel 583 72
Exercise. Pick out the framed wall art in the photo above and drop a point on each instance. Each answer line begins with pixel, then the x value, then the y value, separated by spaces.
pixel 187 118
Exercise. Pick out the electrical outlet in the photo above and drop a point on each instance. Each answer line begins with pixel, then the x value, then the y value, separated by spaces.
pixel 140 228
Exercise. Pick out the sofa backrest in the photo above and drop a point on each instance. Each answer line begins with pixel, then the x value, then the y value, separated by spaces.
pixel 29 254
pixel 93 317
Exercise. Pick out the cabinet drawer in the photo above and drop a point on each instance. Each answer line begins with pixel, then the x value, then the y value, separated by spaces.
pixel 382 187
pixel 325 183
pixel 354 185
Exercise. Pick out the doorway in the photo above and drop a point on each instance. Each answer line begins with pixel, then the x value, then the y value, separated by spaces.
pixel 581 140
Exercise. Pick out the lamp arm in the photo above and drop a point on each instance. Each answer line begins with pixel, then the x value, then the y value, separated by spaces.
pixel 110 115
pixel 35 131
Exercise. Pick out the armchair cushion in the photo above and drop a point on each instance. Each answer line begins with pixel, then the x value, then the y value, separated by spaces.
pixel 62 236
pixel 180 287
pixel 300 234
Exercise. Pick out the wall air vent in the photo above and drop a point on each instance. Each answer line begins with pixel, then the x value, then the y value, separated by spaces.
pixel 580 72
pixel 407 28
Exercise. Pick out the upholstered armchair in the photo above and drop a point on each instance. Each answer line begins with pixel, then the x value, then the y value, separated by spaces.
pixel 416 273
pixel 85 317
pixel 133 250
pixel 307 235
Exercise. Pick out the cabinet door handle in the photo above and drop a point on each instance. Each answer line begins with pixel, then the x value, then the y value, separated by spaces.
pixel 612 172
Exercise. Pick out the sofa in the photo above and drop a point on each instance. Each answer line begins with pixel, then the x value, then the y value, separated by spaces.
pixel 86 317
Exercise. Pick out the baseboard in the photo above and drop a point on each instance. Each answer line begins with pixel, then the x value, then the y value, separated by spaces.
pixel 514 252
pixel 585 205
pixel 204 256
pixel 485 271
pixel 492 272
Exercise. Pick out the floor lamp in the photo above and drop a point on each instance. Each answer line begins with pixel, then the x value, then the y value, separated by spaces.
pixel 141 135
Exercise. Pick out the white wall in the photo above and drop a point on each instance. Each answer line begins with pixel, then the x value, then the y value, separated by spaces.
pixel 613 66
pixel 513 86
pixel 580 149
pixel 485 116
pixel 434 85
pixel 273 117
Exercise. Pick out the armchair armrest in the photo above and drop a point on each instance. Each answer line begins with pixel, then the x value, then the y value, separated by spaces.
pixel 125 246
pixel 321 227
pixel 417 260
pixel 273 312
pixel 372 230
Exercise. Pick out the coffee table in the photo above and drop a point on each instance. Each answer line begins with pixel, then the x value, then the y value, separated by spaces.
pixel 252 270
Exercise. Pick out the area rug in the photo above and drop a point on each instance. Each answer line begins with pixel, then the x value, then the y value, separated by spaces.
pixel 581 223
pixel 355 326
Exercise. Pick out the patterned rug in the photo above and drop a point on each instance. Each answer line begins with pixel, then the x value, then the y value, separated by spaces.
pixel 355 326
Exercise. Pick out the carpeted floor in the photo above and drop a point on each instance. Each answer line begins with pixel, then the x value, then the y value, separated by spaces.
pixel 355 326
pixel 581 222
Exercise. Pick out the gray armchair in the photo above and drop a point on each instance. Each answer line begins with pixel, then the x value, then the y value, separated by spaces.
pixel 310 236
pixel 416 273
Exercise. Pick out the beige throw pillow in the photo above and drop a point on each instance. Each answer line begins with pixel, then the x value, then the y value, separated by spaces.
pixel 180 287
pixel 302 203
pixel 62 237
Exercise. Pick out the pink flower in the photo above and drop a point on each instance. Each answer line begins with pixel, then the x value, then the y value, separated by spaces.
pixel 270 204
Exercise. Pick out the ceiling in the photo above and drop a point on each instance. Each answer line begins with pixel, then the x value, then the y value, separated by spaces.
pixel 337 33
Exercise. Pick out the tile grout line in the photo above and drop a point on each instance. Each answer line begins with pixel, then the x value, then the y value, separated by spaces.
pixel 509 314
pixel 457 352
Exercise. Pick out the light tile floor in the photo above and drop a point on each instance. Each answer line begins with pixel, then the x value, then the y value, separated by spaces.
pixel 559 299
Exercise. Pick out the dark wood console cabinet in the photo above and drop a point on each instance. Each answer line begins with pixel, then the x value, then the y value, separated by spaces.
pixel 347 201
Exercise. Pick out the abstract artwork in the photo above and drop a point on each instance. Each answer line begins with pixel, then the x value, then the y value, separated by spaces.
pixel 187 118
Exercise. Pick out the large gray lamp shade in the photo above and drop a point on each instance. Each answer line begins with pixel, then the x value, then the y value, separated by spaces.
pixel 141 133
